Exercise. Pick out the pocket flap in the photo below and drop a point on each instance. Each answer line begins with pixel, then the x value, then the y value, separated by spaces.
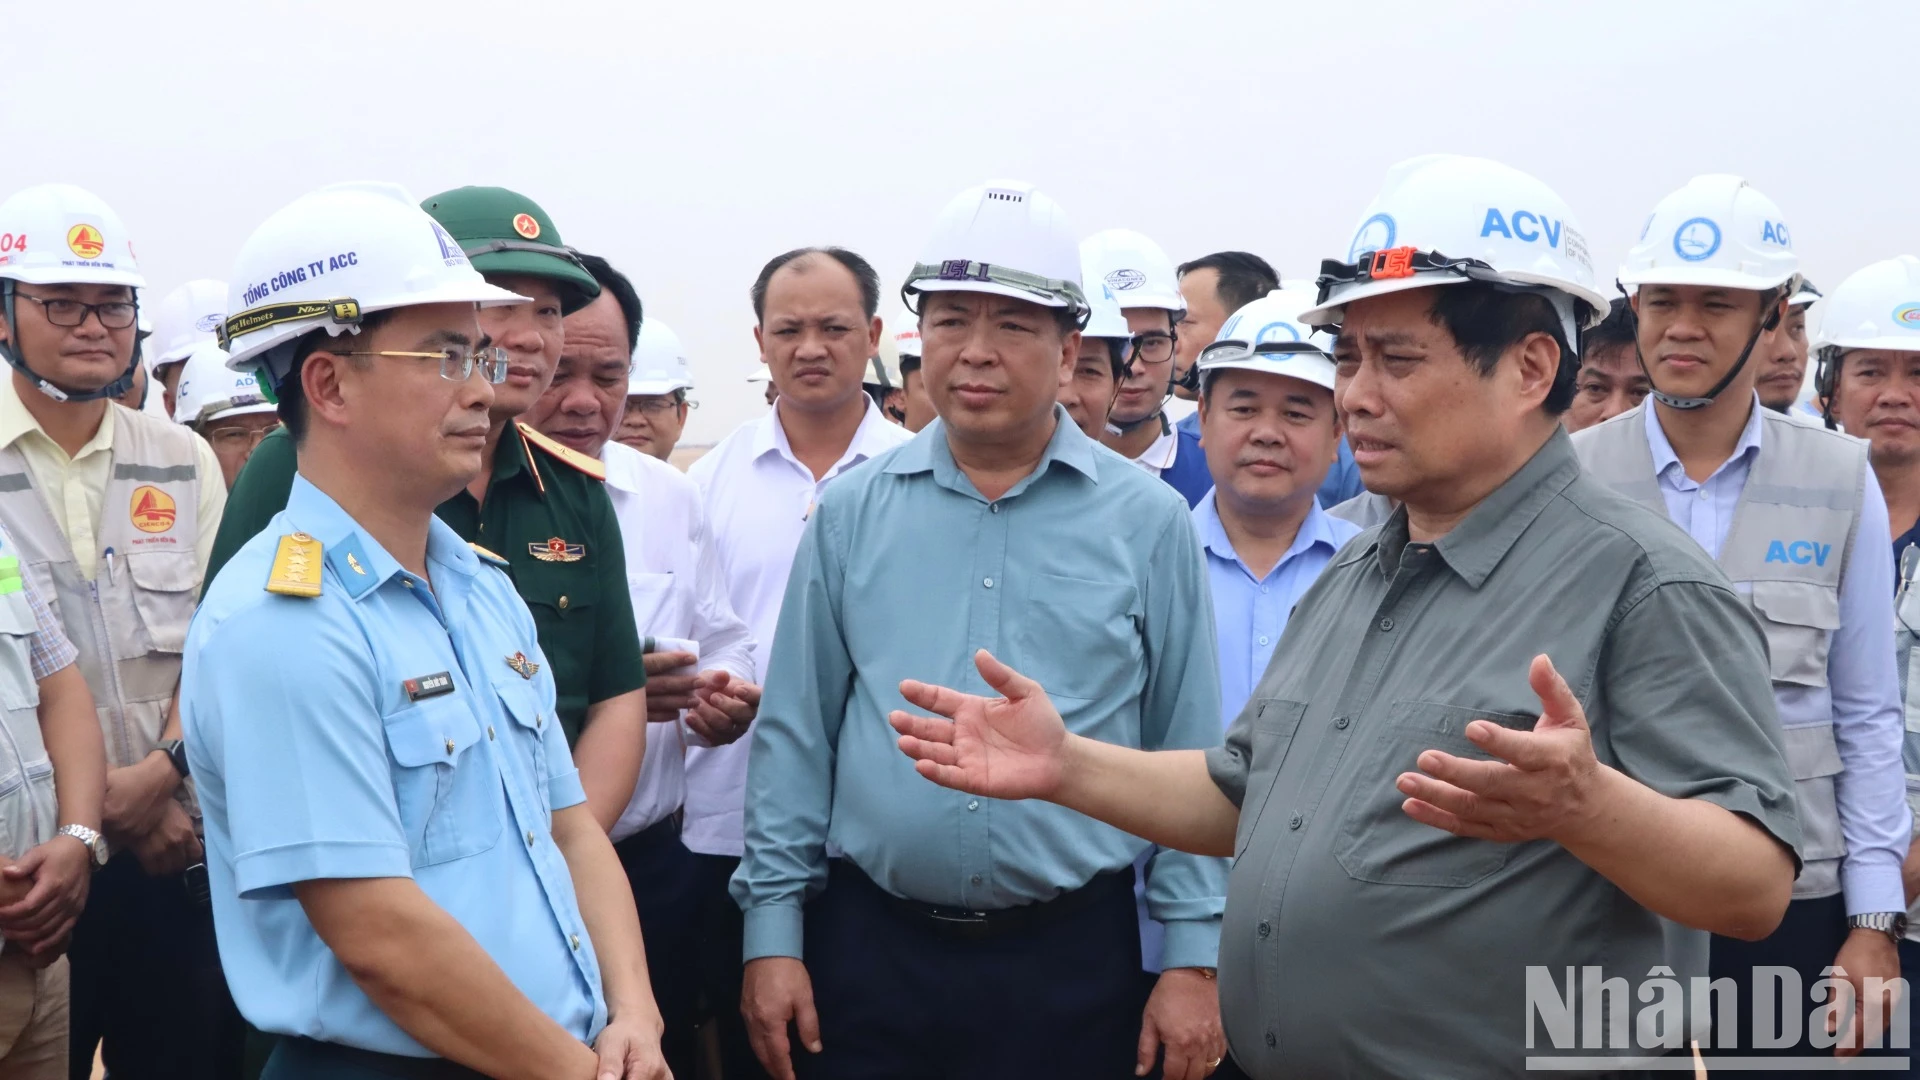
pixel 16 614
pixel 431 732
pixel 1798 603
pixel 162 571
pixel 1811 751
pixel 523 700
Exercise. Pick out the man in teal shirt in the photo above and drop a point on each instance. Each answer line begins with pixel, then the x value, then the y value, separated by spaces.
pixel 953 936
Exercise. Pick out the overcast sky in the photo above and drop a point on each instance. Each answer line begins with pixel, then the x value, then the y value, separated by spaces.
pixel 690 142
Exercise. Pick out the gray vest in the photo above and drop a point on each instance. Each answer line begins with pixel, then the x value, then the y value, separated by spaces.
pixel 130 622
pixel 1787 552
pixel 28 811
pixel 1906 632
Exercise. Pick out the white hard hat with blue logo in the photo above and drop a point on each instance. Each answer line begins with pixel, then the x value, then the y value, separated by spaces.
pixel 1716 232
pixel 1135 268
pixel 1446 219
pixel 1268 336
pixel 209 389
pixel 1878 307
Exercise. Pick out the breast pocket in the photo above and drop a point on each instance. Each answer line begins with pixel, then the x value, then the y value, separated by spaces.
pixel 529 712
pixel 447 788
pixel 18 687
pixel 1079 638
pixel 652 602
pixel 1799 618
pixel 1274 725
pixel 1378 842
pixel 164 587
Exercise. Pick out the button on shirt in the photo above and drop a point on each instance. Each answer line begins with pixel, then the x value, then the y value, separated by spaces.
pixel 356 776
pixel 673 575
pixel 75 485
pixel 1393 651
pixel 1861 698
pixel 1086 575
pixel 758 499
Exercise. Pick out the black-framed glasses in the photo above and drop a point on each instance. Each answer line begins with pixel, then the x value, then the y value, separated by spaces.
pixel 456 361
pixel 61 312
pixel 1153 347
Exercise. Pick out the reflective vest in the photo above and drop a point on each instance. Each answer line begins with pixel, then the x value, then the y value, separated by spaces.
pixel 1906 632
pixel 28 810
pixel 129 623
pixel 1786 551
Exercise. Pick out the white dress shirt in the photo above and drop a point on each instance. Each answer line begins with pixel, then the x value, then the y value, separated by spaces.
pixel 758 498
pixel 673 575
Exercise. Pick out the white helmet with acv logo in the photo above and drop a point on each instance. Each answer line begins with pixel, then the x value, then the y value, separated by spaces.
pixel 1878 307
pixel 209 389
pixel 1716 232
pixel 1134 267
pixel 1445 219
pixel 332 256
pixel 1003 238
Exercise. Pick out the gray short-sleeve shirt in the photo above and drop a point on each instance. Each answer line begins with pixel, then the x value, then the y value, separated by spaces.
pixel 1359 942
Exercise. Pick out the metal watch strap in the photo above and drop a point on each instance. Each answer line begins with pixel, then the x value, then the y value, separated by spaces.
pixel 96 845
pixel 1891 923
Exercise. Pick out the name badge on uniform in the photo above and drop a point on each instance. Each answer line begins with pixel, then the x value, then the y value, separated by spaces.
pixel 426 686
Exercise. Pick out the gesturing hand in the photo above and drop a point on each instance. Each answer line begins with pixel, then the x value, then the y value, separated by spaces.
pixel 1010 747
pixel 723 708
pixel 1539 787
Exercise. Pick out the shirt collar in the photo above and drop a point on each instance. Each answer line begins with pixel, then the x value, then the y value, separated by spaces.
pixel 930 452
pixel 1315 529
pixel 1160 454
pixel 1476 545
pixel 1664 458
pixel 868 439
pixel 356 557
pixel 623 467
pixel 16 421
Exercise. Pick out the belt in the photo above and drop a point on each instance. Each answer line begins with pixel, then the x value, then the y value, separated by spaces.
pixel 312 1057
pixel 986 925
pixel 664 831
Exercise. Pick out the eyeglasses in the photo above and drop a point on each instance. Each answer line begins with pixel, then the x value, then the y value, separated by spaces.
pixel 114 314
pixel 654 405
pixel 235 439
pixel 1153 347
pixel 456 361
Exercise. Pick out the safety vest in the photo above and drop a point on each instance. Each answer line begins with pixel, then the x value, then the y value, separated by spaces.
pixel 28 810
pixel 129 623
pixel 1786 552
pixel 1906 633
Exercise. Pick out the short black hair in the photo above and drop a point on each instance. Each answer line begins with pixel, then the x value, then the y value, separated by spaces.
pixel 1486 321
pixel 615 282
pixel 860 268
pixel 1244 277
pixel 908 365
pixel 1616 331
pixel 290 402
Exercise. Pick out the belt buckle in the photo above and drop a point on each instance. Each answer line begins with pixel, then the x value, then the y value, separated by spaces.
pixel 958 917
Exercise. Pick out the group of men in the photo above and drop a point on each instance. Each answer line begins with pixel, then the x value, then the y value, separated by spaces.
pixel 1308 698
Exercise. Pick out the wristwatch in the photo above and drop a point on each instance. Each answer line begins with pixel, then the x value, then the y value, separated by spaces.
pixel 176 751
pixel 96 844
pixel 1891 923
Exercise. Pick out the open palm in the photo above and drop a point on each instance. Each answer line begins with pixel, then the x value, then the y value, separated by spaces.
pixel 1009 747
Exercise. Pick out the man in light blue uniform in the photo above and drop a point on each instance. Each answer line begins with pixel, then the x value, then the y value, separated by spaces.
pixel 406 880
pixel 948 936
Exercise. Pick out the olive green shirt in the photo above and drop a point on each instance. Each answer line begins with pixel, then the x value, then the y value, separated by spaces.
pixel 576 588
pixel 1359 942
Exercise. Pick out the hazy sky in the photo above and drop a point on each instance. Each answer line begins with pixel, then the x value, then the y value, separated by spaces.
pixel 689 143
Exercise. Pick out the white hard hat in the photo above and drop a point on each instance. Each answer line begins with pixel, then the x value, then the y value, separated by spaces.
pixel 1134 267
pixel 1267 335
pixel 1876 308
pixel 1436 211
pixel 1804 294
pixel 1106 318
pixel 883 367
pixel 1716 232
pixel 333 255
pixel 209 389
pixel 58 234
pixel 760 374
pixel 659 363
pixel 906 341
pixel 184 319
pixel 1002 238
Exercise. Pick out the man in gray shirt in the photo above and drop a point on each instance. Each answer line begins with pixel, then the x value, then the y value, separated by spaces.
pixel 1506 733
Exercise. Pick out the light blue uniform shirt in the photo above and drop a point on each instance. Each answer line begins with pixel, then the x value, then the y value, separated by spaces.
pixel 1861 697
pixel 1086 576
pixel 314 759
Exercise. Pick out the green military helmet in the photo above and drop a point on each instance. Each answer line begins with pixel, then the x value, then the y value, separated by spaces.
pixel 504 232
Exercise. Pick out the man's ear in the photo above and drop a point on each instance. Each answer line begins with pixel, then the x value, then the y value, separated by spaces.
pixel 320 385
pixel 1537 366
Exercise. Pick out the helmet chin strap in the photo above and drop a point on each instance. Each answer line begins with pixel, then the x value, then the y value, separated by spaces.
pixel 114 389
pixel 1771 320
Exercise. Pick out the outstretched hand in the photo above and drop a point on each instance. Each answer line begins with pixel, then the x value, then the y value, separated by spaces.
pixel 1009 747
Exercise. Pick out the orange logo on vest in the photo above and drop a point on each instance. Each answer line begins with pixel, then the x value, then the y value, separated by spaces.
pixel 153 510
pixel 85 241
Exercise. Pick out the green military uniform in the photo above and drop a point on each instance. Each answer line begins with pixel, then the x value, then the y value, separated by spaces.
pixel 546 509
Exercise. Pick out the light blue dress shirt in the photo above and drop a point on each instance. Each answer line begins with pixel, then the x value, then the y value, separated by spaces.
pixel 1861 698
pixel 315 757
pixel 1086 576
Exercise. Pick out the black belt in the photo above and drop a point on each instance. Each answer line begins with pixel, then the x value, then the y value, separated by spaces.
pixel 985 925
pixel 311 1057
pixel 664 831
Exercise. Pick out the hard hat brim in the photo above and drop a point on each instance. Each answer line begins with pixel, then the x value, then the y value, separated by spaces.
pixel 1704 277
pixel 1886 344
pixel 657 387
pixel 1328 314
pixel 241 410
pixel 59 275
pixel 465 292
pixel 990 288
pixel 1307 367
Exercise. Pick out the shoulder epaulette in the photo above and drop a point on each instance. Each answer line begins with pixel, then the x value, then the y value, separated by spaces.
pixel 592 466
pixel 296 566
pixel 489 557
